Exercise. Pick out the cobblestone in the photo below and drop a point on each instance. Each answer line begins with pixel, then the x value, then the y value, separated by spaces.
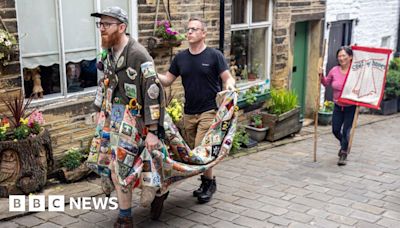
pixel 280 186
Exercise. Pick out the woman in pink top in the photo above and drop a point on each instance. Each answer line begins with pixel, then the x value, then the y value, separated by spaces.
pixel 343 114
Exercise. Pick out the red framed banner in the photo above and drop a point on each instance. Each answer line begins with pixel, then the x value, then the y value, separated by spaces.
pixel 365 80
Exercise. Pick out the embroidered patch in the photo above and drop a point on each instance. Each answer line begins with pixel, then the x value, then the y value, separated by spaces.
pixel 153 91
pixel 131 73
pixel 215 150
pixel 148 69
pixel 130 90
pixel 120 61
pixel 155 112
pixel 126 129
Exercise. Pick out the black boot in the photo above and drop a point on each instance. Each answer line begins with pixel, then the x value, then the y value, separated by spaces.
pixel 342 157
pixel 208 190
pixel 197 192
pixel 157 206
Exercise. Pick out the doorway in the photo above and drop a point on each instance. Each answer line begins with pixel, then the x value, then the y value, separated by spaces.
pixel 339 35
pixel 299 70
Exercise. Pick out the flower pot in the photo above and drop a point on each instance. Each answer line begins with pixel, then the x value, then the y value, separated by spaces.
pixel 282 125
pixel 24 164
pixel 257 134
pixel 158 43
pixel 324 118
pixel 388 107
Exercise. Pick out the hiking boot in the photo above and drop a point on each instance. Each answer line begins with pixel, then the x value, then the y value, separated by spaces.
pixel 197 192
pixel 210 186
pixel 342 157
pixel 157 206
pixel 124 222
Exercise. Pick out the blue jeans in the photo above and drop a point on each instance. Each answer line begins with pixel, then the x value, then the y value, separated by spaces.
pixel 342 121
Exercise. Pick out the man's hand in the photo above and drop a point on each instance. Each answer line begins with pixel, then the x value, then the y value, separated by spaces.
pixel 230 87
pixel 151 142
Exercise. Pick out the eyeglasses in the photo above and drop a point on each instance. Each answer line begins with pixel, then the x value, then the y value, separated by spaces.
pixel 193 29
pixel 106 25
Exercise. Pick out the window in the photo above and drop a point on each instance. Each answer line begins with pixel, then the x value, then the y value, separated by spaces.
pixel 251 35
pixel 58 45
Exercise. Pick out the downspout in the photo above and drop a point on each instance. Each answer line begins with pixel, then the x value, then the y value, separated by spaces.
pixel 221 25
pixel 397 54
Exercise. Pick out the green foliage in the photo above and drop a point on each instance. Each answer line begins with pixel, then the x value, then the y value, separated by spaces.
pixel 35 129
pixel 21 132
pixel 7 45
pixel 282 101
pixel 392 86
pixel 240 137
pixel 72 159
pixel 256 120
pixel 327 106
pixel 395 64
pixel 250 95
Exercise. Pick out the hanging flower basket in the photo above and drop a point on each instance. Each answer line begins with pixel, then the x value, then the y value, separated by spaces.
pixel 160 43
pixel 165 36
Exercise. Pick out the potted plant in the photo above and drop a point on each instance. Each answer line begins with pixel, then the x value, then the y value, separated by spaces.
pixel 7 46
pixel 282 115
pixel 240 139
pixel 165 36
pixel 73 167
pixel 392 91
pixel 25 148
pixel 254 71
pixel 325 113
pixel 252 98
pixel 256 129
pixel 394 68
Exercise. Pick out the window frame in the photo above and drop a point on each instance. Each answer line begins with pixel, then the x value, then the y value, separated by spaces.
pixel 268 39
pixel 64 95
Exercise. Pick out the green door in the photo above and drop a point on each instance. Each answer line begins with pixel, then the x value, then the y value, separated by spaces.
pixel 299 71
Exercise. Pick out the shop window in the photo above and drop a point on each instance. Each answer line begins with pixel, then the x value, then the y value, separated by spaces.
pixel 250 35
pixel 59 43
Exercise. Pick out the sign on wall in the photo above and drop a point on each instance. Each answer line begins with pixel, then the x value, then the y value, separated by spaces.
pixel 365 81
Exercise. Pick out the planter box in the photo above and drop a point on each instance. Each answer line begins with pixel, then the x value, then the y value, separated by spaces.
pixel 257 134
pixel 324 118
pixel 282 125
pixel 24 164
pixel 398 104
pixel 242 104
pixel 388 107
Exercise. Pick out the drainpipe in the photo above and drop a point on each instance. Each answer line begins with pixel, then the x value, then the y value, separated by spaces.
pixel 397 54
pixel 221 25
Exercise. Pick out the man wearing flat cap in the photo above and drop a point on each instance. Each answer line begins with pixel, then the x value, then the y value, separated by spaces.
pixel 130 104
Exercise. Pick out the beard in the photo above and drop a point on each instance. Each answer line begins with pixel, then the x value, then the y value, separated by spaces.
pixel 108 41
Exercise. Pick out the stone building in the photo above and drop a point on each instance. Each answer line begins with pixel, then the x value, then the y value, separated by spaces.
pixel 270 43
pixel 362 22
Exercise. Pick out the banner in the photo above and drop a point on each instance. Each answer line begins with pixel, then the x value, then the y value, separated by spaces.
pixel 365 81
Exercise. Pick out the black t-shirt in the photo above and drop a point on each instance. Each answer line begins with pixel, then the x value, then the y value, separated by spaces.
pixel 200 78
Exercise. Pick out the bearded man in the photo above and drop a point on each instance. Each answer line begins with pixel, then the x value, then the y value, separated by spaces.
pixel 130 104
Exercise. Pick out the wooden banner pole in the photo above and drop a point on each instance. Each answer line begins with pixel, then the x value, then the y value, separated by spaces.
pixel 353 129
pixel 320 63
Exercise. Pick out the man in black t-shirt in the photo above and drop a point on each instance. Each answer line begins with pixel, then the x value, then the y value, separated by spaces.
pixel 204 72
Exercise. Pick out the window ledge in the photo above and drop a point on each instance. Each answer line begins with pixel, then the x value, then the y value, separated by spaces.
pixel 55 102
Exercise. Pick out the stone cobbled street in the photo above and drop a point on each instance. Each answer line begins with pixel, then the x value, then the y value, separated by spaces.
pixel 278 187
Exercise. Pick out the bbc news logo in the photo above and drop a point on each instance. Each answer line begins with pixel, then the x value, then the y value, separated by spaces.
pixel 57 203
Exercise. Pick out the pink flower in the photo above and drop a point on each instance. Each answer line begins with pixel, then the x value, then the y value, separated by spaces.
pixel 37 117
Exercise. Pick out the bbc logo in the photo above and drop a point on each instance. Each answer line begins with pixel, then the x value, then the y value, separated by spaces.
pixel 37 203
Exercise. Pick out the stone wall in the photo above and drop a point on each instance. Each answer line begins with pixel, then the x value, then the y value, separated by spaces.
pixel 372 20
pixel 180 12
pixel 70 121
pixel 285 14
pixel 10 77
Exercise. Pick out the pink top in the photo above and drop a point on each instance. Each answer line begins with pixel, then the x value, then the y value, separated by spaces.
pixel 336 80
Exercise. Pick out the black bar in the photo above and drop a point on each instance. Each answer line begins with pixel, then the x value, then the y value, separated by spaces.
pixel 221 24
